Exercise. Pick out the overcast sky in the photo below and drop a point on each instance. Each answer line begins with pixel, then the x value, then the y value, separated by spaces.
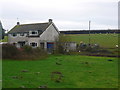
pixel 66 14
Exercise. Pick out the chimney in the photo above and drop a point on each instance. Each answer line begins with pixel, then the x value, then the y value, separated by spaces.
pixel 18 23
pixel 50 20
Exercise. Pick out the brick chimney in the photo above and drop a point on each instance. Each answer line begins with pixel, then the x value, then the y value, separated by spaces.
pixel 50 20
pixel 18 23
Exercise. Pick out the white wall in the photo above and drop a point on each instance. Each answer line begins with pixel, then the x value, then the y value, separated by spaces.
pixel 17 38
pixel 34 39
pixel 50 34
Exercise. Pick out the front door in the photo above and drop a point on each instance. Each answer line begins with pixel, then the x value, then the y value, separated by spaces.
pixel 42 45
pixel 50 47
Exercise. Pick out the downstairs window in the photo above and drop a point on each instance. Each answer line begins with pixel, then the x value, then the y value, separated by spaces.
pixel 33 44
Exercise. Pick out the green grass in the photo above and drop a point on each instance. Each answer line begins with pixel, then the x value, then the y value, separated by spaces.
pixel 99 73
pixel 104 40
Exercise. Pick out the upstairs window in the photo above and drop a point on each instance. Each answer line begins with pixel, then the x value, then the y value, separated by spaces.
pixel 40 31
pixel 14 34
pixel 33 33
pixel 21 34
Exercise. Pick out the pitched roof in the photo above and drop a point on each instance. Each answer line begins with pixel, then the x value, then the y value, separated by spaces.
pixel 29 27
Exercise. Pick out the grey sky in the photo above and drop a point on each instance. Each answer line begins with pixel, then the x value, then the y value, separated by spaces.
pixel 66 14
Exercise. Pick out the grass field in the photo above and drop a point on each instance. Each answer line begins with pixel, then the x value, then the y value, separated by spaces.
pixel 97 73
pixel 104 40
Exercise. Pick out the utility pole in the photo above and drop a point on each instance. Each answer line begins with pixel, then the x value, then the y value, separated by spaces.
pixel 89 32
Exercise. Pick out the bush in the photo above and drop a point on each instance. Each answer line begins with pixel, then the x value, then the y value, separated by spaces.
pixel 25 53
pixel 60 44
pixel 60 49
pixel 39 52
pixel 30 53
pixel 27 49
pixel 9 51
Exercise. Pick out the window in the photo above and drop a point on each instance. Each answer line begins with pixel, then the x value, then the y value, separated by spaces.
pixel 33 32
pixel 14 34
pixel 21 34
pixel 33 44
pixel 40 31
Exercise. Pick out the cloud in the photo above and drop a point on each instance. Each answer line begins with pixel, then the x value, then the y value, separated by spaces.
pixel 67 14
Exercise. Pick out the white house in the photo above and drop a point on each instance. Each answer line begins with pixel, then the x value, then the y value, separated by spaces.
pixel 42 35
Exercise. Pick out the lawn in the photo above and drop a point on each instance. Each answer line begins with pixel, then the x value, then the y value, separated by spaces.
pixel 104 40
pixel 78 72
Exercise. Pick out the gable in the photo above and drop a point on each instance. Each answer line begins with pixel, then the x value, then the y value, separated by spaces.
pixel 50 34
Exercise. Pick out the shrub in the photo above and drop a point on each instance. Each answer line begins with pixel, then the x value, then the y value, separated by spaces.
pixel 40 53
pixel 27 49
pixel 60 44
pixel 25 53
pixel 9 51
pixel 59 48
pixel 33 53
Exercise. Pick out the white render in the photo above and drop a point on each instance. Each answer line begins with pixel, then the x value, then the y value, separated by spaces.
pixel 17 38
pixel 51 34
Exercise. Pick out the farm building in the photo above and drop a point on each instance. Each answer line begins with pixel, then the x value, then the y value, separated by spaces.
pixel 70 46
pixel 42 35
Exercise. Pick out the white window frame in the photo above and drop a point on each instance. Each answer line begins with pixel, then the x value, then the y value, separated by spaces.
pixel 22 34
pixel 36 44
pixel 13 34
pixel 31 33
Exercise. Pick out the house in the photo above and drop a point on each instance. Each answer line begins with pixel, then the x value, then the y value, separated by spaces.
pixel 42 35
pixel 1 31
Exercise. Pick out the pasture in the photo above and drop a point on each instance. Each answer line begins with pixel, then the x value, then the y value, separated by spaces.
pixel 78 72
pixel 104 40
